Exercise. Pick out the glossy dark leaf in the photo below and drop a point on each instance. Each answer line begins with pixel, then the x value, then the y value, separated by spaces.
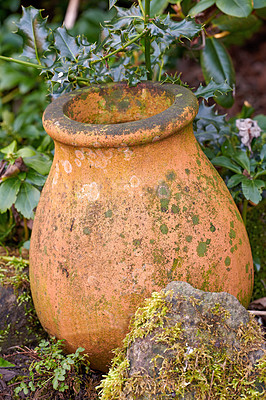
pixel 237 8
pixel 212 89
pixel 223 161
pixel 252 190
pixel 216 64
pixel 65 44
pixel 235 24
pixel 8 193
pixel 186 6
pixel 157 7
pixel 32 27
pixel 27 199
pixel 201 6
pixel 259 4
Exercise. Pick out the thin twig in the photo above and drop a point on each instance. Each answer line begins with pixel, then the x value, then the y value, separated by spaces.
pixel 71 13
pixel 209 397
pixel 257 312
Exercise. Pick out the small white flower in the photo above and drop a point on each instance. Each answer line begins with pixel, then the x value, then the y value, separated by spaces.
pixel 60 74
pixel 248 129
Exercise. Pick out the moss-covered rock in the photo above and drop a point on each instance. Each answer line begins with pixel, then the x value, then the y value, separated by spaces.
pixel 188 344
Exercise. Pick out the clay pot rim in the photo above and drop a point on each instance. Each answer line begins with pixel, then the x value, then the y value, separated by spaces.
pixel 171 121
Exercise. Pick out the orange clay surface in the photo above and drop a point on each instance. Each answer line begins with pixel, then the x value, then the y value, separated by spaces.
pixel 127 208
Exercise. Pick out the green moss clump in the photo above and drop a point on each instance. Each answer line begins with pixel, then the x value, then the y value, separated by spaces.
pixel 206 371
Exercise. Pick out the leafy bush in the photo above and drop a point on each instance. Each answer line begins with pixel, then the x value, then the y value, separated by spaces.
pixel 240 154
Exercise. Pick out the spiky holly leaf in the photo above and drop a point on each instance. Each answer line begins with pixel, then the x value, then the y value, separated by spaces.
pixel 112 3
pixel 65 44
pixel 207 115
pixel 32 27
pixel 212 89
pixel 187 28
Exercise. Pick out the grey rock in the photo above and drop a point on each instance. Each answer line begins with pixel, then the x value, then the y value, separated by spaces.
pixel 212 319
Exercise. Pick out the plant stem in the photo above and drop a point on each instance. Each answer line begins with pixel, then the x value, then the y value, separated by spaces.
pixel 211 17
pixel 161 70
pixel 25 63
pixel 120 48
pixel 244 211
pixel 10 259
pixel 10 96
pixel 26 230
pixel 147 42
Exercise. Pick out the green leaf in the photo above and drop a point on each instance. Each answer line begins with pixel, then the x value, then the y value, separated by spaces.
pixel 252 190
pixel 27 199
pixel 8 193
pixel 235 24
pixel 10 149
pixel 157 7
pixel 40 163
pixel 212 89
pixel 187 27
pixel 216 64
pixel 36 179
pixel 261 119
pixel 259 4
pixel 26 152
pixel 223 161
pixel 55 383
pixel 201 6
pixel 65 44
pixel 5 364
pixel 263 152
pixel 235 180
pixel 32 26
pixel 242 159
pixel 237 8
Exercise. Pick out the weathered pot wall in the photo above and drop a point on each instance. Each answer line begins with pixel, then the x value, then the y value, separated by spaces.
pixel 116 223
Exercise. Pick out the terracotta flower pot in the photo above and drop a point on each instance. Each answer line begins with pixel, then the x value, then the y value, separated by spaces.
pixel 131 203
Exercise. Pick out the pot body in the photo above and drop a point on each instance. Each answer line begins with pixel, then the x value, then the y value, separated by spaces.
pixel 117 222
